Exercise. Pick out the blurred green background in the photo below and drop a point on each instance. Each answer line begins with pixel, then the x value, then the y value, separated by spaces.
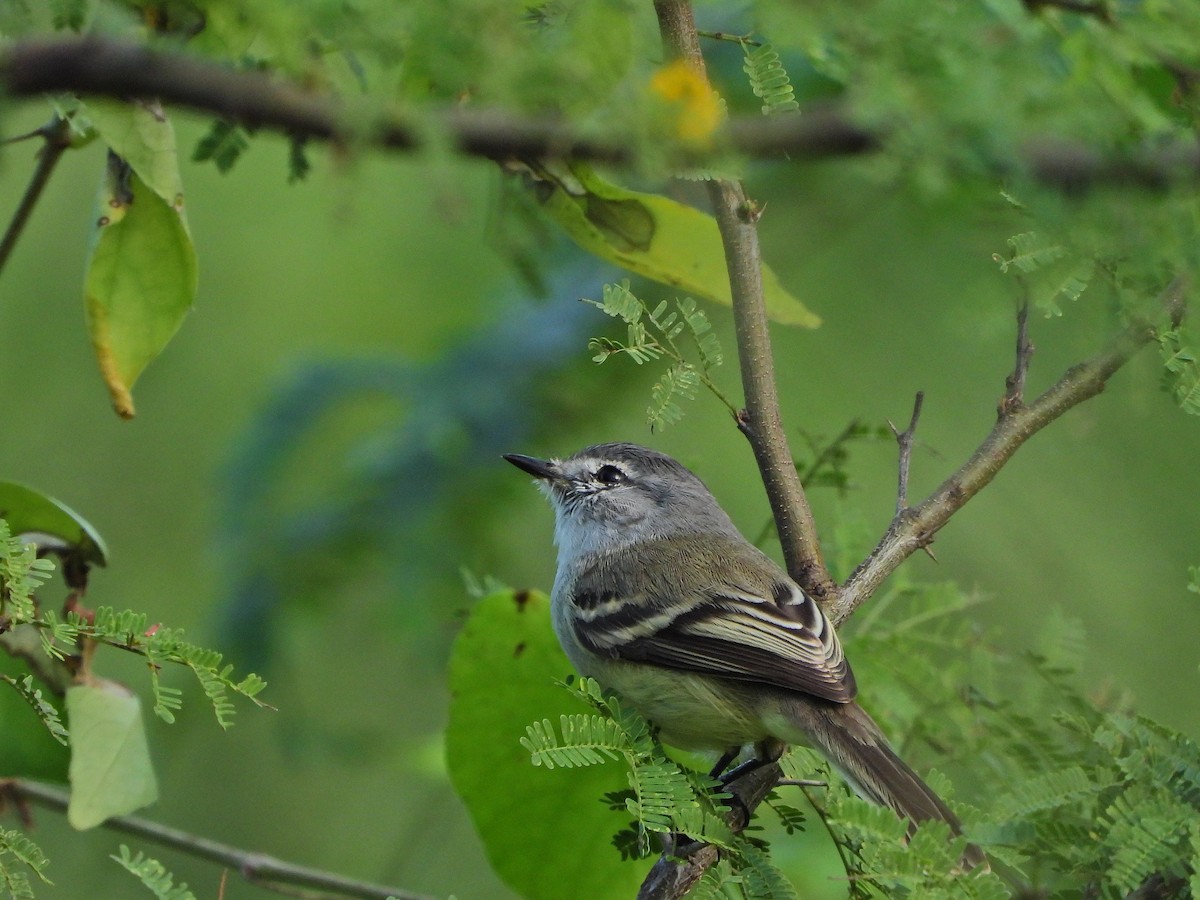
pixel 222 503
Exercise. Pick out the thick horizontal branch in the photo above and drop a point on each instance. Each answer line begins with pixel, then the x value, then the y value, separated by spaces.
pixel 914 528
pixel 106 67
pixel 257 868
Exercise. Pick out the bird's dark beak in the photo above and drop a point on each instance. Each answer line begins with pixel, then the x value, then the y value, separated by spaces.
pixel 538 468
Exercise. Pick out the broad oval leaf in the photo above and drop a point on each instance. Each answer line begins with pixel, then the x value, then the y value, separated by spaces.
pixel 141 280
pixel 141 134
pixel 654 236
pixel 545 831
pixel 30 512
pixel 110 769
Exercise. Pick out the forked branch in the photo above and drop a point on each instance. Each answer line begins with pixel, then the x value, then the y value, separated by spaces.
pixel 1016 423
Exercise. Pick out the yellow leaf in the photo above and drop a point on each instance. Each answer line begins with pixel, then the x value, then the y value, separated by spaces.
pixel 652 236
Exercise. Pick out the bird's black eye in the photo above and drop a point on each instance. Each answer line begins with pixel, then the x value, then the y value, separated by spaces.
pixel 609 475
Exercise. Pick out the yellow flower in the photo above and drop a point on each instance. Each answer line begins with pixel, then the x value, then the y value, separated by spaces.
pixel 699 108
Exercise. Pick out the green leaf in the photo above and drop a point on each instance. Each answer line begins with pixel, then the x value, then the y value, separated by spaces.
pixel 110 769
pixel 153 875
pixel 504 674
pixel 43 708
pixel 1030 252
pixel 769 80
pixel 653 236
pixel 30 512
pixel 141 280
pixel 224 144
pixel 141 134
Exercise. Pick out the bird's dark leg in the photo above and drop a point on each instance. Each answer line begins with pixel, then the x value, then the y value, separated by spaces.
pixel 726 758
pixel 765 752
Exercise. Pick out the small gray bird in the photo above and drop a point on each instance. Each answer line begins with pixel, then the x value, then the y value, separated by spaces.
pixel 660 598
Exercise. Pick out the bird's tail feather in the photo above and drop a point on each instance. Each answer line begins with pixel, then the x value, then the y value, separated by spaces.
pixel 857 748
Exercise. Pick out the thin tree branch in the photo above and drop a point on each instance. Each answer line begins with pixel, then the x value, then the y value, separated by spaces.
pixel 256 868
pixel 1014 384
pixel 761 421
pixel 95 65
pixel 56 139
pixel 905 440
pixel 915 527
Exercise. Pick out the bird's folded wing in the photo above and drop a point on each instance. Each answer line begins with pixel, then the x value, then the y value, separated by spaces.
pixel 752 626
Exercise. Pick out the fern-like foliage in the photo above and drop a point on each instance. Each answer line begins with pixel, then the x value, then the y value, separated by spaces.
pixel 132 631
pixel 769 80
pixel 1181 372
pixel 1053 273
pixel 586 741
pixel 663 797
pixel 1030 251
pixel 153 875
pixel 21 574
pixel 760 878
pixel 655 334
pixel 44 710
pixel 224 145
pixel 17 850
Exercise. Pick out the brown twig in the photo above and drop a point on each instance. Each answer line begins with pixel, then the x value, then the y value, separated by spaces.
pixel 95 65
pixel 760 422
pixel 916 528
pixel 56 139
pixel 256 868
pixel 1014 384
pixel 905 441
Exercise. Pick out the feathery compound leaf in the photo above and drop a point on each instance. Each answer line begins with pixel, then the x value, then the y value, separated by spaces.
pixel 214 684
pixel 1181 374
pixel 1149 834
pixel 1068 290
pixel 678 381
pixel 153 875
pixel 21 573
pixel 706 342
pixel 1142 747
pixel 621 303
pixel 45 710
pixel 16 845
pixel 1029 253
pixel 224 145
pixel 1048 790
pixel 760 879
pixel 587 740
pixel 769 80
pixel 1195 851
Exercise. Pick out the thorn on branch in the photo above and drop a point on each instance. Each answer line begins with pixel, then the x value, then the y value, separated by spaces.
pixel 751 211
pixel 905 440
pixel 742 418
pixel 1014 384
